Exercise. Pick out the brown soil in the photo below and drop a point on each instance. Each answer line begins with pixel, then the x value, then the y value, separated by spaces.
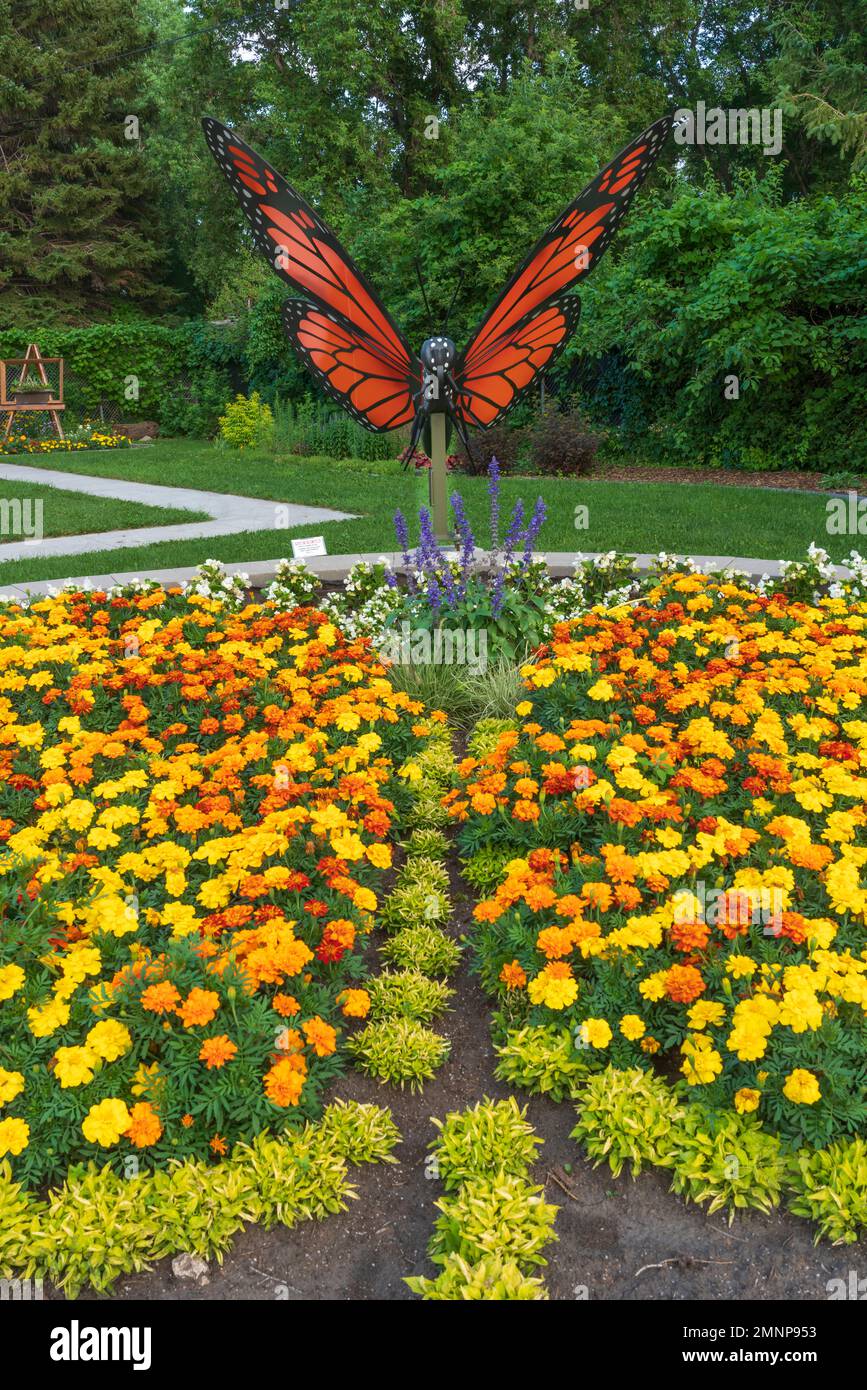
pixel 726 477
pixel 618 1238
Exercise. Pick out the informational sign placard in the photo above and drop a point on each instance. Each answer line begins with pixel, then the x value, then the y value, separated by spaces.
pixel 308 545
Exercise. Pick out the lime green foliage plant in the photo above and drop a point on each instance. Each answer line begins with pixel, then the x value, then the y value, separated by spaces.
pixel 626 1117
pixel 399 1050
pixel 247 423
pixel 493 1137
pixel 100 1225
pixel 424 948
pixel 726 1160
pixel 830 1188
pixel 542 1060
pixel 407 994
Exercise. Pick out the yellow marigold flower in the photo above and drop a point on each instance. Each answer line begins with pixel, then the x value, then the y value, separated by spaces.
pixel 741 967
pixel 11 979
pixel 632 1027
pixel 45 1020
pixel 702 1064
pixel 379 856
pixel 705 1012
pixel 106 1122
pixel 109 1039
pixel 11 1082
pixel 14 1136
pixel 596 1032
pixel 74 1066
pixel 802 1087
pixel 746 1100
pixel 355 1003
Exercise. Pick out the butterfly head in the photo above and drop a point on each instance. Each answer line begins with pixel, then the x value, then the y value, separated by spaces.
pixel 438 354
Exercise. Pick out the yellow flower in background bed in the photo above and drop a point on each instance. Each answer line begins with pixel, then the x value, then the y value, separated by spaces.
pixel 197 804
pixel 672 834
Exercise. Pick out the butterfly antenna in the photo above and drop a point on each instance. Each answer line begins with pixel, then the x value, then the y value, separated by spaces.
pixel 453 298
pixel 417 265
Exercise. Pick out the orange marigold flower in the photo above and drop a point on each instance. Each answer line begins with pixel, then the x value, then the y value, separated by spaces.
pixel 199 1007
pixel 355 1003
pixel 683 983
pixel 525 810
pixel 218 1145
pixel 217 1051
pixel 286 1005
pixel 160 999
pixel 284 1082
pixel 513 976
pixel 320 1035
pixel 187 1120
pixel 145 1127
pixel 690 936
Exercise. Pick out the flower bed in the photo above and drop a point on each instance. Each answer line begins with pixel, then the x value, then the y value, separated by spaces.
pixel 84 438
pixel 197 804
pixel 672 842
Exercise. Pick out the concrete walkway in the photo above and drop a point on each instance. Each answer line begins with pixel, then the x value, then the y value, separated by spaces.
pixel 229 513
pixel 334 568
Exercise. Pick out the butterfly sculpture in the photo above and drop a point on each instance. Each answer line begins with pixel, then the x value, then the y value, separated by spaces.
pixel 353 348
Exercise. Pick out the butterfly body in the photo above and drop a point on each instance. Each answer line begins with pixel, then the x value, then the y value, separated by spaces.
pixel 352 347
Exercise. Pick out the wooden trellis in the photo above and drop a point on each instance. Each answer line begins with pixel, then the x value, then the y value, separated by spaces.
pixel 32 363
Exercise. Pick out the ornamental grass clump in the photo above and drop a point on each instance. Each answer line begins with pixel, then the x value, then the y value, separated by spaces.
pixel 493 1137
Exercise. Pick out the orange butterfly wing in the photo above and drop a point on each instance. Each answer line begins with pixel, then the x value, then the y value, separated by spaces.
pixel 306 253
pixel 503 370
pixel 568 250
pixel 351 368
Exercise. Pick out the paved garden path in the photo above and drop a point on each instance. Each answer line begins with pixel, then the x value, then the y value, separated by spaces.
pixel 229 513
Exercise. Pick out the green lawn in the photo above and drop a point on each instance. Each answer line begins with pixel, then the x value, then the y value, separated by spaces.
pixel 75 513
pixel 702 520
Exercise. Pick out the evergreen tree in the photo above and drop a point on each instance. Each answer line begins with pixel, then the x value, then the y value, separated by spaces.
pixel 78 235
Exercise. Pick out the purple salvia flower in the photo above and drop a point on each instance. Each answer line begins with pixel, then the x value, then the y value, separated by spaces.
pixel 402 532
pixel 468 541
pixel 494 495
pixel 536 520
pixel 512 536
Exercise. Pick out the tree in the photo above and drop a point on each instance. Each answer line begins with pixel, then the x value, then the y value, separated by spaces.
pixel 78 238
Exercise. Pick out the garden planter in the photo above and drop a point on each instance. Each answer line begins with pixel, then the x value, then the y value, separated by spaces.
pixel 32 397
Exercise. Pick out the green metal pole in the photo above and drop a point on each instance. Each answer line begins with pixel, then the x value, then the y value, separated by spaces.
pixel 438 484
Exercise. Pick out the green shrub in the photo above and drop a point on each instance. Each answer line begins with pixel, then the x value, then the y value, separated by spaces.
pixel 726 1160
pixel 247 423
pixel 492 1137
pixel 503 1215
pixel 831 1189
pixel 626 1117
pixel 491 1278
pixel 428 844
pixel 423 948
pixel 399 1050
pixel 412 906
pixel 562 443
pixel 542 1060
pixel 407 994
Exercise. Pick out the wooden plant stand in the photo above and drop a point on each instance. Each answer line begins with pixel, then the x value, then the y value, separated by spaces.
pixel 31 363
